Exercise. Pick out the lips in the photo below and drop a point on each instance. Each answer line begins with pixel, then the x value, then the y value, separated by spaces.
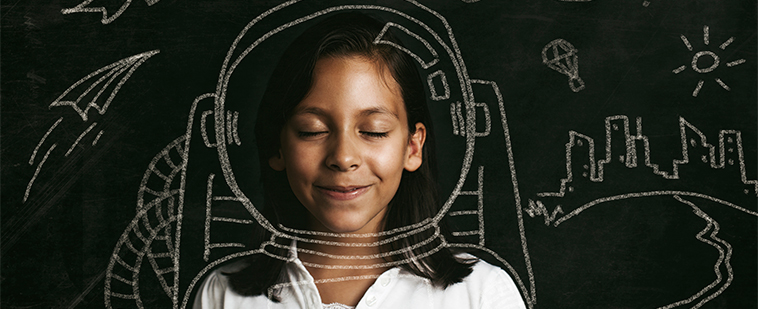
pixel 343 193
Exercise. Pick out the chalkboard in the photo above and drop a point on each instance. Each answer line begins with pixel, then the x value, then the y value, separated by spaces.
pixel 603 153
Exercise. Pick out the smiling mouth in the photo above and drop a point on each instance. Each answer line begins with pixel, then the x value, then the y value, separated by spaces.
pixel 343 193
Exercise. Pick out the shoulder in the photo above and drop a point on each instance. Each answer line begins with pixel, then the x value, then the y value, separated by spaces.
pixel 215 292
pixel 212 290
pixel 492 285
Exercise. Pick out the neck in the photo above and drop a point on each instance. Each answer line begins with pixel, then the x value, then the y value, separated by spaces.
pixel 341 252
pixel 343 267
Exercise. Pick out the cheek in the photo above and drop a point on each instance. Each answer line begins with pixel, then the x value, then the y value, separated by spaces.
pixel 391 160
pixel 300 161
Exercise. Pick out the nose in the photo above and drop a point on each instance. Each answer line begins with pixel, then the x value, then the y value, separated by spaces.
pixel 344 153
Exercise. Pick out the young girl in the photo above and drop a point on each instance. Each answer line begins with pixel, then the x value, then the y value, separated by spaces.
pixel 347 158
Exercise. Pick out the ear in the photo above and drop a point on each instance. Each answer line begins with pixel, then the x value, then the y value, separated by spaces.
pixel 277 162
pixel 415 149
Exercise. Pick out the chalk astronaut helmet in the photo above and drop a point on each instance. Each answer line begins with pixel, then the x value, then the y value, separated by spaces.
pixel 427 38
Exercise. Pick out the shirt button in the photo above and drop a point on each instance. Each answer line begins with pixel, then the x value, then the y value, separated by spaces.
pixel 371 301
pixel 384 281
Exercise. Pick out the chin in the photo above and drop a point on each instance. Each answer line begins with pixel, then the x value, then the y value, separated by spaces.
pixel 344 228
pixel 344 225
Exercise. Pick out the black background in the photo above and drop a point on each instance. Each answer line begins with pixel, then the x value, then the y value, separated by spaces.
pixel 630 253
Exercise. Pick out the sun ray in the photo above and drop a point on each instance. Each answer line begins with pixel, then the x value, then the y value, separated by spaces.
pixel 725 44
pixel 718 80
pixel 707 54
pixel 686 42
pixel 697 88
pixel 735 62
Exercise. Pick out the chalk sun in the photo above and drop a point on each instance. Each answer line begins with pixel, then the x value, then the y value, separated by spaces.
pixel 707 54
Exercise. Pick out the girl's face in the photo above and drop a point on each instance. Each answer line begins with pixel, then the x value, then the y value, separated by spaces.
pixel 346 145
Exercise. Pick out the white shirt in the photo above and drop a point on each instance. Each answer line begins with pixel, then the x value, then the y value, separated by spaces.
pixel 486 287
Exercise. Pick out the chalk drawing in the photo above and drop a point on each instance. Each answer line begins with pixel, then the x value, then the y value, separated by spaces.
pixel 440 75
pixel 728 154
pixel 108 74
pixel 711 56
pixel 157 210
pixel 424 64
pixel 725 254
pixel 91 97
pixel 561 56
pixel 160 209
pixel 621 149
pixel 85 8
pixel 97 138
pixel 713 289
pixel 446 47
pixel 36 171
pixel 79 139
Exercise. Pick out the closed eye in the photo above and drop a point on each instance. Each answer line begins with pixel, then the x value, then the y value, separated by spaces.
pixel 310 134
pixel 375 134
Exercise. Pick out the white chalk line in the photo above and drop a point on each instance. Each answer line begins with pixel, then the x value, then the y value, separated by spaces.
pixel 686 42
pixel 538 209
pixel 735 62
pixel 44 137
pixel 180 203
pixel 457 60
pixel 422 255
pixel 716 60
pixel 163 225
pixel 595 173
pixel 461 121
pixel 129 64
pixel 571 66
pixel 415 226
pixel 712 224
pixel 723 258
pixel 424 64
pixel 433 89
pixel 221 89
pixel 36 172
pixel 360 244
pixel 726 43
pixel 480 202
pixel 586 206
pixel 697 88
pixel 163 156
pixel 97 138
pixel 420 244
pixel 110 76
pixel 207 227
pixel 233 220
pixel 222 150
pixel 723 85
pixel 530 295
pixel 78 139
pixel 135 267
pixel 82 8
pixel 463 212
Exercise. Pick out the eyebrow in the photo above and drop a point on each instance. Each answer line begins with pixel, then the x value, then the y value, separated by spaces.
pixel 366 112
pixel 378 110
